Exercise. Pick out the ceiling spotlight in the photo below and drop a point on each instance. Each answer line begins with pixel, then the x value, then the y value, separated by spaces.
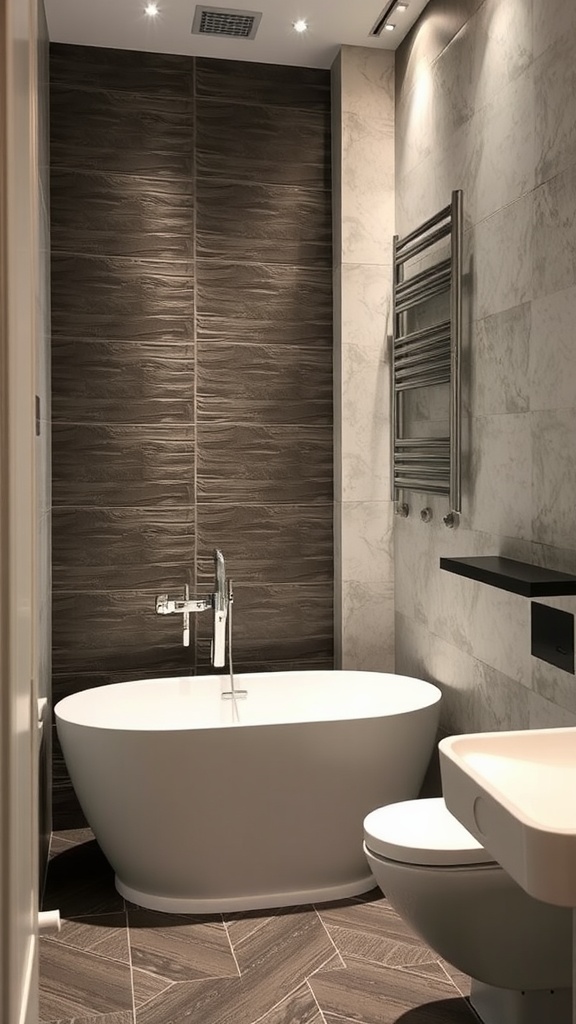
pixel 401 7
pixel 301 25
pixel 389 27
pixel 151 10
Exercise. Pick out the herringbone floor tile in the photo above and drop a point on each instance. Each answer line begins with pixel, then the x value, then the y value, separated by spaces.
pixel 350 962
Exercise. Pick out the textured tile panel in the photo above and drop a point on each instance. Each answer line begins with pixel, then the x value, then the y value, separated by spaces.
pixel 123 132
pixel 267 614
pixel 259 144
pixel 74 983
pixel 122 382
pixel 122 1017
pixel 264 464
pixel 265 544
pixel 270 84
pixel 312 330
pixel 123 465
pixel 264 384
pixel 120 549
pixel 281 296
pixel 121 215
pixel 120 631
pixel 235 220
pixel 145 74
pixel 121 298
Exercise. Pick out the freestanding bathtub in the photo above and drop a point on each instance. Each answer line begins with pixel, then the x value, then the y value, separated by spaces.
pixel 205 805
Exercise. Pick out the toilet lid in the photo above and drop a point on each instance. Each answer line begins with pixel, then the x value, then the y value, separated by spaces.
pixel 421 832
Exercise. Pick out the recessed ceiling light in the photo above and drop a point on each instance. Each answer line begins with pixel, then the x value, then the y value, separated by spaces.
pixel 301 25
pixel 151 10
pixel 389 27
pixel 401 7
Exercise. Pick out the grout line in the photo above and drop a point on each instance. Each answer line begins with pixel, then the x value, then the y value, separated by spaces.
pixel 230 943
pixel 280 1001
pixel 329 935
pixel 313 994
pixel 130 966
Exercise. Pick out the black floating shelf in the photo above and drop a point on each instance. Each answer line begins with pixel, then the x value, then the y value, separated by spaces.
pixel 508 574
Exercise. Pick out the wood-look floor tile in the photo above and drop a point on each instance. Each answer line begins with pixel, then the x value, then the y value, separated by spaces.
pixel 74 983
pixel 123 1017
pixel 147 986
pixel 243 923
pixel 458 978
pixel 372 994
pixel 80 882
pixel 300 1007
pixel 286 950
pixel 374 932
pixel 58 846
pixel 103 934
pixel 76 836
pixel 178 950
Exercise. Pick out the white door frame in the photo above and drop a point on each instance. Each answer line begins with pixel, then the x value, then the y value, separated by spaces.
pixel 18 715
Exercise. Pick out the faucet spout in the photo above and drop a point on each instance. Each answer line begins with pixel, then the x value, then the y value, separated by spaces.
pixel 220 605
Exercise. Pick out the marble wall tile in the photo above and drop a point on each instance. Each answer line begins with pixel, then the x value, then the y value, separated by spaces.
pixel 367 541
pixel 368 192
pixel 503 247
pixel 430 36
pixel 503 45
pixel 553 351
pixel 504 125
pixel 368 626
pixel 501 474
pixel 501 351
pixel 554 476
pixel 555 78
pixel 476 697
pixel 412 647
pixel 555 234
pixel 553 20
pixel 367 83
pixel 545 714
pixel 366 308
pixel 365 424
pixel 415 121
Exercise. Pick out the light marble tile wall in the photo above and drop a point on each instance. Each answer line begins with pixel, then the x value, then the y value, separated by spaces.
pixel 492 111
pixel 363 204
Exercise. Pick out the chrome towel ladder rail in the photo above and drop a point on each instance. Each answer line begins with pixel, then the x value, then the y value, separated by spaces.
pixel 425 357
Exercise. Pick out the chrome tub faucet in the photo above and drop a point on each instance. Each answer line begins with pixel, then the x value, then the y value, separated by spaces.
pixel 219 601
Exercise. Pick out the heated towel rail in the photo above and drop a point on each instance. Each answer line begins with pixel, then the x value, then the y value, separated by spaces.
pixel 427 356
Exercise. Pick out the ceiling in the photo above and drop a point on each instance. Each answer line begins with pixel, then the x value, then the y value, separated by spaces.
pixel 123 24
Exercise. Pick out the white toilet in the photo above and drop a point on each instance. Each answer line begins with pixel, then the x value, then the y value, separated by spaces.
pixel 516 949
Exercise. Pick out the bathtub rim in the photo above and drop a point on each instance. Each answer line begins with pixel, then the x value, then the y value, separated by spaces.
pixel 70 709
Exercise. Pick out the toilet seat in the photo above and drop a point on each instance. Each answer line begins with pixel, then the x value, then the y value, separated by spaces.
pixel 422 832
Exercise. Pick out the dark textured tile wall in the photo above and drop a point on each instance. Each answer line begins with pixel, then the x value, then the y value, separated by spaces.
pixel 192 363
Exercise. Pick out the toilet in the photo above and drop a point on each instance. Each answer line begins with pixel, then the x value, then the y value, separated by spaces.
pixel 516 949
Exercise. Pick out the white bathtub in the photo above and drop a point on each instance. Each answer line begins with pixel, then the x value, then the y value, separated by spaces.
pixel 206 805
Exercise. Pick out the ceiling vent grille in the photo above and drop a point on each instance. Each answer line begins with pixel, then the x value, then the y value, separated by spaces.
pixel 225 21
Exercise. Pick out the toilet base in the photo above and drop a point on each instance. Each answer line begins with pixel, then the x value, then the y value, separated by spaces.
pixel 505 1006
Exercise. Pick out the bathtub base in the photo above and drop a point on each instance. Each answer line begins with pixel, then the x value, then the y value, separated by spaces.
pixel 229 904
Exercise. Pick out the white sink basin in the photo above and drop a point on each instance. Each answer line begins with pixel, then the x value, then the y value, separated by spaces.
pixel 516 793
